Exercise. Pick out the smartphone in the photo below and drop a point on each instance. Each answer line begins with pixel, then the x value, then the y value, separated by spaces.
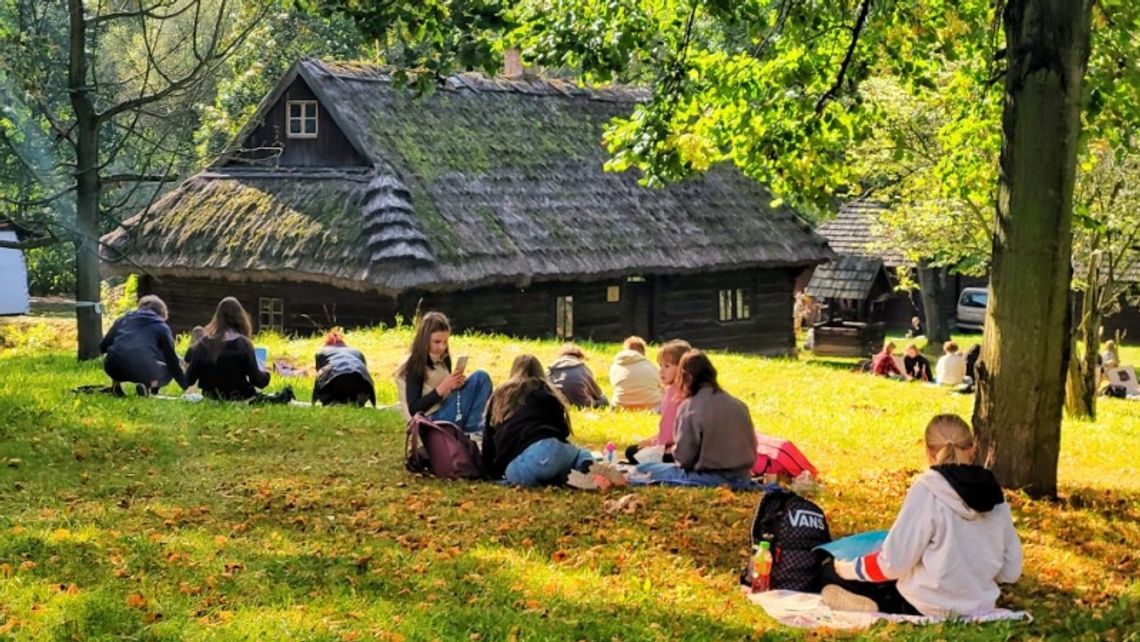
pixel 461 364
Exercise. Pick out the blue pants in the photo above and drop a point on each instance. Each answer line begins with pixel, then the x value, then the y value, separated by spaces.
pixel 674 475
pixel 464 407
pixel 546 461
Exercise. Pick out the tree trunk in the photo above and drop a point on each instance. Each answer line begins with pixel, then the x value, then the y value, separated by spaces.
pixel 932 285
pixel 88 315
pixel 1017 412
pixel 1084 373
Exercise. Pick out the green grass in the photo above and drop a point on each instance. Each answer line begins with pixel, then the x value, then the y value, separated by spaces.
pixel 139 519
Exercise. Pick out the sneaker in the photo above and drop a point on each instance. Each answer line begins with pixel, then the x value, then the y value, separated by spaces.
pixel 840 599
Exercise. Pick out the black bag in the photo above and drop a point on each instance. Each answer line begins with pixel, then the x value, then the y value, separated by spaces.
pixel 792 526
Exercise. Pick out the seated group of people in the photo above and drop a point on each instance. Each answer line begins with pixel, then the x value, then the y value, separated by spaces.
pixel 705 434
pixel 952 369
pixel 221 359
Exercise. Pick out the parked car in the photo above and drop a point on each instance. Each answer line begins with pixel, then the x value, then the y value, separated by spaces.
pixel 972 308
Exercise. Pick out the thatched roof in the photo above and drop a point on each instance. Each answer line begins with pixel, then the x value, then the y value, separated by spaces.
pixel 853 233
pixel 480 182
pixel 847 277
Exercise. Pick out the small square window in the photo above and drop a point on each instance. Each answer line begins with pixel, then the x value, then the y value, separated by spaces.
pixel 302 118
pixel 613 294
pixel 564 318
pixel 270 314
pixel 734 305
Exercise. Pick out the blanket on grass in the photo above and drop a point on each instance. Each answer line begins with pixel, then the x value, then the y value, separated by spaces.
pixel 807 611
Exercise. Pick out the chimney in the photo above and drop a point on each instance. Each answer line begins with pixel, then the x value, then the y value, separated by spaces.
pixel 512 63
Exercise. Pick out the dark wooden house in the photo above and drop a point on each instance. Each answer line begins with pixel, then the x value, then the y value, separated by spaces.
pixel 347 200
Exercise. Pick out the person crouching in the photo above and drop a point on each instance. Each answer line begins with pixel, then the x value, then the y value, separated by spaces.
pixel 140 349
pixel 342 374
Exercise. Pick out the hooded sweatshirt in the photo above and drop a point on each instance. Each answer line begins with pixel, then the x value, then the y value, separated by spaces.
pixel 140 349
pixel 951 544
pixel 574 379
pixel 635 381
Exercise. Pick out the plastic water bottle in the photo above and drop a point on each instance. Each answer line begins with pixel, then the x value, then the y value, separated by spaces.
pixel 761 568
pixel 610 448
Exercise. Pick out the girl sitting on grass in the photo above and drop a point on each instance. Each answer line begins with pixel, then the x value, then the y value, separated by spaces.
pixel 342 374
pixel 528 427
pixel 427 385
pixel 223 362
pixel 668 362
pixel 951 544
pixel 716 443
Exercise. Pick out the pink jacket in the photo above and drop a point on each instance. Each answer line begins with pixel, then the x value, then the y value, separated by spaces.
pixel 670 402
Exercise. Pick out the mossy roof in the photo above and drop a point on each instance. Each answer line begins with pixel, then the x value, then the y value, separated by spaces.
pixel 502 180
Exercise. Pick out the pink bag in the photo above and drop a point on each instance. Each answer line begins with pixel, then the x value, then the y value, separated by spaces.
pixel 781 457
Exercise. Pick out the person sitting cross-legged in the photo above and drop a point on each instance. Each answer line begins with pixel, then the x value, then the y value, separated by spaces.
pixel 716 441
pixel 570 374
pixel 917 366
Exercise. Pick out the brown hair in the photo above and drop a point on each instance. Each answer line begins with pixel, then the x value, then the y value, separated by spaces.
pixel 637 344
pixel 949 440
pixel 672 351
pixel 154 304
pixel 571 350
pixel 429 324
pixel 913 346
pixel 888 346
pixel 527 376
pixel 950 347
pixel 229 316
pixel 697 371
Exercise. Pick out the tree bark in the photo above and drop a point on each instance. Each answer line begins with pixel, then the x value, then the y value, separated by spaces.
pixel 88 315
pixel 1017 412
pixel 932 286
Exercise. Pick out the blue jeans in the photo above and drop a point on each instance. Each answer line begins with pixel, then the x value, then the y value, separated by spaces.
pixel 674 475
pixel 464 407
pixel 546 461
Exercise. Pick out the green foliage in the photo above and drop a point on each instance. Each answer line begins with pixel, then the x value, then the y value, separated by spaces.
pixel 51 270
pixel 166 520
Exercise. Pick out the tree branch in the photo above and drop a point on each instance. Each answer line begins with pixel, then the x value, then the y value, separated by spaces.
pixel 856 31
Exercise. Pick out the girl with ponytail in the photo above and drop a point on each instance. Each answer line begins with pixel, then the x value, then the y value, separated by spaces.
pixel 951 544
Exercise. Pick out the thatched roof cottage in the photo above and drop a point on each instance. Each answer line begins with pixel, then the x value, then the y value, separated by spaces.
pixel 347 200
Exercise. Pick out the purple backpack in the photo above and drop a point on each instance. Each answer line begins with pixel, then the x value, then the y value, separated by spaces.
pixel 442 449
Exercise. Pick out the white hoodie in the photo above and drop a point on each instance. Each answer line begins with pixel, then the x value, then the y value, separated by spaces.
pixel 635 381
pixel 948 558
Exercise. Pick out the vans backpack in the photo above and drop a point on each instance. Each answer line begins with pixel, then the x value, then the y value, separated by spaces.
pixel 441 449
pixel 793 527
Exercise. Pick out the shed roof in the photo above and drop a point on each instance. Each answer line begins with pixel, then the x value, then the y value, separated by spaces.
pixel 847 277
pixel 853 232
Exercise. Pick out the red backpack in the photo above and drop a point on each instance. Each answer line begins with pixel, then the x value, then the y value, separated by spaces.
pixel 442 449
pixel 781 457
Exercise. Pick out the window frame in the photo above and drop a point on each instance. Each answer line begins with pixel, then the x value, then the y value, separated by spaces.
pixel 734 305
pixel 564 317
pixel 303 118
pixel 276 310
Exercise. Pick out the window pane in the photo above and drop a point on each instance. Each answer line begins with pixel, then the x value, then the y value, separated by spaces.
pixel 294 110
pixel 311 110
pixel 613 294
pixel 294 126
pixel 569 317
pixel 726 305
pixel 310 125
pixel 564 317
pixel 742 309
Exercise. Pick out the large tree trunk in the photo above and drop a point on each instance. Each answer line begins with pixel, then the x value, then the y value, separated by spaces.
pixel 932 285
pixel 88 315
pixel 1017 413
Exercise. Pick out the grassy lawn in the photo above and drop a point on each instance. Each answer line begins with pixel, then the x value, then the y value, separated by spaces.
pixel 139 519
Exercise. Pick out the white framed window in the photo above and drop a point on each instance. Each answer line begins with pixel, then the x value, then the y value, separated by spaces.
pixel 613 294
pixel 301 118
pixel 564 317
pixel 734 305
pixel 270 314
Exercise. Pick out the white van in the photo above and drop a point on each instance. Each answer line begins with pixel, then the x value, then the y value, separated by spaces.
pixel 972 308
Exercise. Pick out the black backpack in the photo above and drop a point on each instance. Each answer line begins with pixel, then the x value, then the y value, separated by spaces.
pixel 792 526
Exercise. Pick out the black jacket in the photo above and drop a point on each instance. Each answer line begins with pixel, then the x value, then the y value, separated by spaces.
pixel 233 373
pixel 542 416
pixel 341 361
pixel 577 383
pixel 918 367
pixel 140 349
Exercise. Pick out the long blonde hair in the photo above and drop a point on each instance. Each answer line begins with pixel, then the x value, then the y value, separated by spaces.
pixel 527 376
pixel 949 440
